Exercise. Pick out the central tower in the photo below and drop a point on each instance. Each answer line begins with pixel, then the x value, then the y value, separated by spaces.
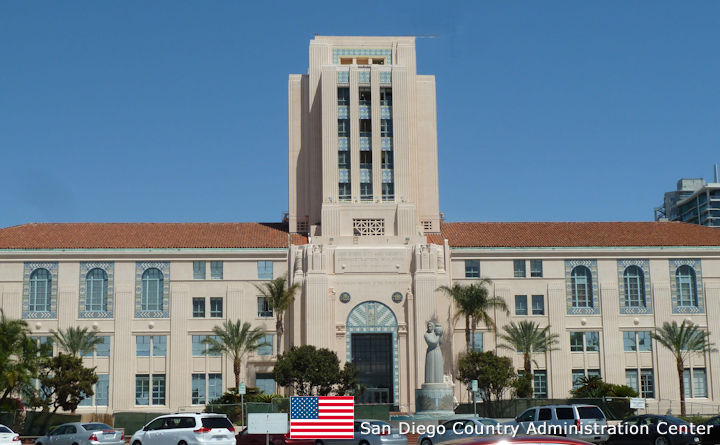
pixel 363 143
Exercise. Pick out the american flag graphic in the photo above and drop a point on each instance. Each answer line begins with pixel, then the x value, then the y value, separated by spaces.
pixel 322 417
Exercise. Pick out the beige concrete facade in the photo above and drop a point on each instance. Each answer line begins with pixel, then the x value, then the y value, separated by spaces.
pixel 373 260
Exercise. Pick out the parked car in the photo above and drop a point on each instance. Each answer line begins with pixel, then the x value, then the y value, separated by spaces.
pixel 244 438
pixel 186 429
pixel 367 436
pixel 713 436
pixel 8 436
pixel 657 432
pixel 79 433
pixel 564 417
pixel 456 429
pixel 523 440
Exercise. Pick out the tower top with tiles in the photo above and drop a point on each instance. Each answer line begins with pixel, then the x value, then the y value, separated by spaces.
pixel 363 142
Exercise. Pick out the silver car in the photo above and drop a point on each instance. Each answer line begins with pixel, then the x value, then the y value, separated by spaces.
pixel 370 432
pixel 8 436
pixel 186 429
pixel 461 428
pixel 82 433
pixel 579 421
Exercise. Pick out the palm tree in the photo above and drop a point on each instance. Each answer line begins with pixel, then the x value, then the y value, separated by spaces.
pixel 527 337
pixel 682 341
pixel 76 341
pixel 279 297
pixel 18 357
pixel 234 340
pixel 474 303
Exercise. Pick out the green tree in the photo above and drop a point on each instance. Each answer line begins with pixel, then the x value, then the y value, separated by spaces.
pixel 682 340
pixel 495 375
pixel 279 296
pixel 76 341
pixel 312 371
pixel 64 382
pixel 235 340
pixel 19 359
pixel 474 303
pixel 528 338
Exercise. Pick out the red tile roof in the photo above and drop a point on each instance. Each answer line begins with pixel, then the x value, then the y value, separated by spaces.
pixel 575 234
pixel 146 235
pixel 274 235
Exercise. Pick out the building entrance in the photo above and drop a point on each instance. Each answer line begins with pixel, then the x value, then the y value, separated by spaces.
pixel 373 358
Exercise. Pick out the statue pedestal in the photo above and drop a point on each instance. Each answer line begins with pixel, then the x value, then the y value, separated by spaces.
pixel 434 400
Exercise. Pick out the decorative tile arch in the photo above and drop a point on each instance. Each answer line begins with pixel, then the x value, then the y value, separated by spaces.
pixel 696 264
pixel 140 268
pixel 373 317
pixel 109 269
pixel 644 265
pixel 28 269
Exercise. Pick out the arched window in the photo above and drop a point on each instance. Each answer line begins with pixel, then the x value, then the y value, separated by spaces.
pixel 40 290
pixel 686 286
pixel 96 290
pixel 152 290
pixel 634 286
pixel 581 283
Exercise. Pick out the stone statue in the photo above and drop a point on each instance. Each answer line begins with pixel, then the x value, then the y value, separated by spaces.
pixel 433 357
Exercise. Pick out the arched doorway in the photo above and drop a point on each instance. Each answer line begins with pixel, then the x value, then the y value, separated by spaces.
pixel 372 346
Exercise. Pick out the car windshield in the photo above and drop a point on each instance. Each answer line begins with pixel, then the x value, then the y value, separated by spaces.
pixel 216 422
pixel 4 429
pixel 590 412
pixel 96 426
pixel 676 421
pixel 487 421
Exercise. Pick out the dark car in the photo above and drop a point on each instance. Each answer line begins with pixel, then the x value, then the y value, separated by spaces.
pixel 275 439
pixel 712 436
pixel 654 430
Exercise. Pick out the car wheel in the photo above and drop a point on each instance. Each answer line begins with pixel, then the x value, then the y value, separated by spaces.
pixel 137 442
pixel 364 442
pixel 318 442
pixel 182 442
pixel 426 442
pixel 662 440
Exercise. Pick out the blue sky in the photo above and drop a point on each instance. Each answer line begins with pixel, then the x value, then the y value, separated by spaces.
pixel 177 110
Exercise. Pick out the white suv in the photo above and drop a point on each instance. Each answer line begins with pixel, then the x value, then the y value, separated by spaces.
pixel 186 429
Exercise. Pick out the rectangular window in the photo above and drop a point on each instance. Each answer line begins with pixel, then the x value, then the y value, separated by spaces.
pixel 538 305
pixel 265 383
pixel 198 307
pixel 216 270
pixel 142 346
pixel 386 159
pixel 343 128
pixel 644 341
pixel 214 387
pixel 365 128
pixel 478 342
pixel 264 309
pixel 102 390
pixel 629 344
pixel 536 268
pixel 386 127
pixel 647 384
pixel 344 159
pixel 631 379
pixel 159 345
pixel 472 269
pixel 519 268
pixel 265 345
pixel 198 270
pixel 158 389
pixel 368 226
pixel 216 307
pixel 265 270
pixel 211 353
pixel 102 349
pixel 364 96
pixel 577 374
pixel 386 96
pixel 44 345
pixel 540 389
pixel 695 382
pixel 142 389
pixel 198 389
pixel 198 347
pixel 521 305
pixel 594 373
pixel 343 94
pixel 592 341
pixel 576 341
